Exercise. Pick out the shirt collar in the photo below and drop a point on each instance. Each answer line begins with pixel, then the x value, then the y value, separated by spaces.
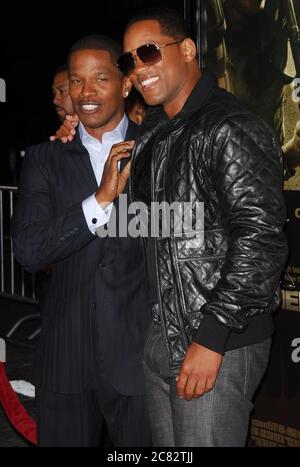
pixel 119 132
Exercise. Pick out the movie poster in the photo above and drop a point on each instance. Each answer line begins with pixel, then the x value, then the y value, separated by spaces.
pixel 254 48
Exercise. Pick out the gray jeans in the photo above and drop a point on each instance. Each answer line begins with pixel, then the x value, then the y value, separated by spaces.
pixel 218 418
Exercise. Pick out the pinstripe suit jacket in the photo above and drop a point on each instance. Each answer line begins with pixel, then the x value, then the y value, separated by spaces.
pixel 96 301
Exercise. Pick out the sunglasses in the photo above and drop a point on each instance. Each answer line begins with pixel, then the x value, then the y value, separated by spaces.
pixel 149 54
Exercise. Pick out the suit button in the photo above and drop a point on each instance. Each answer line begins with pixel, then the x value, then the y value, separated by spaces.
pixel 94 220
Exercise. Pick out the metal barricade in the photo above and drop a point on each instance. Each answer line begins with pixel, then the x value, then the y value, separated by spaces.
pixel 15 282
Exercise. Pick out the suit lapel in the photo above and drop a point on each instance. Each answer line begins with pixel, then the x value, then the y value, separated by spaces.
pixel 132 131
pixel 131 134
pixel 80 160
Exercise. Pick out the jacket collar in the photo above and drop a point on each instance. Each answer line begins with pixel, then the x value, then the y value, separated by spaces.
pixel 132 130
pixel 77 147
pixel 202 90
pixel 79 156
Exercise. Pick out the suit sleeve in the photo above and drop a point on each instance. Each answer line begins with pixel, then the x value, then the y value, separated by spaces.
pixel 40 236
pixel 247 179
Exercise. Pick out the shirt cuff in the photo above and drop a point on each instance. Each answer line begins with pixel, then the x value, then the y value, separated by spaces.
pixel 212 334
pixel 94 215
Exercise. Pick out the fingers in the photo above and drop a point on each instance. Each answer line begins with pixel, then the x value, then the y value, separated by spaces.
pixel 181 383
pixel 199 390
pixel 190 388
pixel 69 126
pixel 73 118
pixel 67 130
pixel 113 182
pixel 64 139
pixel 121 155
pixel 112 162
pixel 124 175
pixel 126 171
pixel 119 151
pixel 210 385
pixel 121 148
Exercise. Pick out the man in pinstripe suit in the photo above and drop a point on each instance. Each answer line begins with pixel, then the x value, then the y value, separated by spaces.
pixel 95 315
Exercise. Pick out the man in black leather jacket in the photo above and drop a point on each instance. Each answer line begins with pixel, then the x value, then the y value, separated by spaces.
pixel 213 300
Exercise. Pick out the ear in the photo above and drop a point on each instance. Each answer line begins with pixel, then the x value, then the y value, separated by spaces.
pixel 189 49
pixel 127 85
pixel 140 110
pixel 139 119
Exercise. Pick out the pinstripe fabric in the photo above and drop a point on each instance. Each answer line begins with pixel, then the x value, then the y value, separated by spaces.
pixel 76 420
pixel 96 299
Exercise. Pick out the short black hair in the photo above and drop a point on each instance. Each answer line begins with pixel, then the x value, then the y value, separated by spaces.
pixel 61 69
pixel 134 98
pixel 171 21
pixel 97 42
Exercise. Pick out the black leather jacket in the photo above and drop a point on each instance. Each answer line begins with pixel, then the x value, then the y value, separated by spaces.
pixel 214 151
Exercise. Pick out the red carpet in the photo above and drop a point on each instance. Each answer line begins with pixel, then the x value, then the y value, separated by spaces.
pixel 14 410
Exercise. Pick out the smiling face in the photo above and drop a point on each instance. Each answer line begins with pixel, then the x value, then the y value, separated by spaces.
pixel 170 81
pixel 97 90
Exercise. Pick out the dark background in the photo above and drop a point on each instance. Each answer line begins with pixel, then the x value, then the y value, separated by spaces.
pixel 34 40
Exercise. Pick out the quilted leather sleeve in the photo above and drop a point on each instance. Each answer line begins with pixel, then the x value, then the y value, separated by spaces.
pixel 246 170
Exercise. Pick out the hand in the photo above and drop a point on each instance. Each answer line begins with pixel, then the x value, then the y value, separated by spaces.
pixel 67 130
pixel 113 182
pixel 198 371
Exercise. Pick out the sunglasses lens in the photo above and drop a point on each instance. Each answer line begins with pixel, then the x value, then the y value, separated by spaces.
pixel 126 63
pixel 149 54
